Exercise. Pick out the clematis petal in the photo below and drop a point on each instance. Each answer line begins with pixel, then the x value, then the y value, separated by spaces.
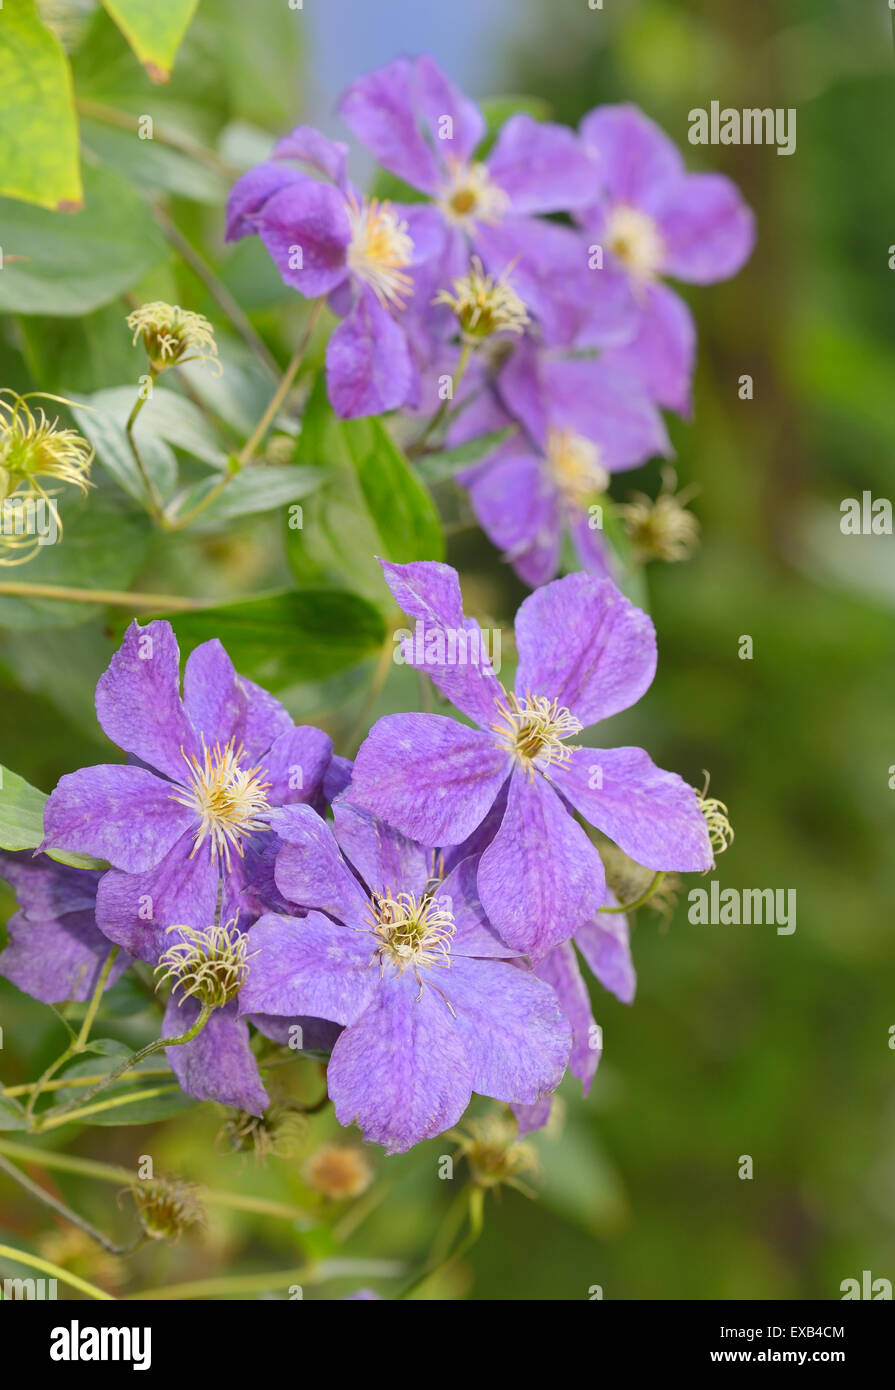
pixel 138 699
pixel 251 192
pixel 707 227
pixel 400 1072
pixel 265 720
pixel 124 814
pixel 605 945
pixel 45 889
pixel 381 109
pixel 368 364
pixel 58 959
pixel 542 166
pixel 607 405
pixel 314 1034
pixel 652 815
pixel 438 97
pixel 473 933
pixel 662 354
pixel 430 777
pixel 530 1118
pixel 454 654
pixel 581 642
pixel 309 966
pixel 636 156
pixel 295 766
pixel 219 1063
pixel 316 152
pixel 559 969
pixel 515 1034
pixel 135 909
pixel 380 855
pixel 590 546
pixel 540 878
pixel 212 699
pixel 311 872
pixel 517 507
pixel 305 228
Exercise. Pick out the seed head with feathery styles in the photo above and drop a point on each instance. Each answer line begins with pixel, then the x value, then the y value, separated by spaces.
pixel 209 965
pixel 173 336
pixel 484 304
pixel 34 447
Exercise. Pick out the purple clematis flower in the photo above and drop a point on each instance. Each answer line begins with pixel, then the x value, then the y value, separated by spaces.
pixel 585 653
pixel 655 220
pixel 365 255
pixel 432 1006
pixel 56 951
pixel 424 130
pixel 206 769
pixel 583 419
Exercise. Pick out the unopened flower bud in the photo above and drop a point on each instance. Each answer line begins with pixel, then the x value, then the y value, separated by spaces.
pixel 495 1154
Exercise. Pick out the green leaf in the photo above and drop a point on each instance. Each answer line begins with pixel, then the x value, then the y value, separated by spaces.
pixel 108 1055
pixel 10 1116
pixel 73 264
pixel 405 517
pixel 254 490
pixel 102 546
pixel 436 467
pixel 38 124
pixel 107 435
pixel 154 31
pixel 284 638
pixel 21 812
pixel 166 415
pixel 22 821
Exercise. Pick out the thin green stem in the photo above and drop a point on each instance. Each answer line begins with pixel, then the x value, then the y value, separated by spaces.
pixel 50 1118
pixel 276 400
pixel 153 497
pixel 77 1044
pixel 63 1082
pixel 419 443
pixel 63 1275
pixel 475 1198
pixel 115 598
pixel 61 1209
pixel 644 896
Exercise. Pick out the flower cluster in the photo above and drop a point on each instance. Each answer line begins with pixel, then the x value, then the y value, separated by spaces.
pixel 589 343
pixel 413 915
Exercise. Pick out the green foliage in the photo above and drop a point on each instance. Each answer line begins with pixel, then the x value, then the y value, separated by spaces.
pixel 154 32
pixel 38 124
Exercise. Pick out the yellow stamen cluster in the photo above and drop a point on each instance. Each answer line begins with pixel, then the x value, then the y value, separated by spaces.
pixel 210 965
pixel 411 931
pixel 173 336
pixel 229 800
pixel 380 249
pixel 34 448
pixel 717 822
pixel 662 529
pixel 634 237
pixel 495 1155
pixel 573 462
pixel 167 1207
pixel 483 305
pixel 472 197
pixel 533 730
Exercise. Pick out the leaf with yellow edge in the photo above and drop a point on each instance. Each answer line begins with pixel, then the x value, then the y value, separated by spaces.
pixel 154 30
pixel 38 124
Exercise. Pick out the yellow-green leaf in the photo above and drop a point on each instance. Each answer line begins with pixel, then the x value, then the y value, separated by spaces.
pixel 154 31
pixel 38 124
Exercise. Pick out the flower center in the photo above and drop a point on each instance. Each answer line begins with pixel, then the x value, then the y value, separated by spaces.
pixel 229 800
pixel 211 965
pixel 634 237
pixel 411 931
pixel 471 197
pixel 379 250
pixel 533 730
pixel 574 465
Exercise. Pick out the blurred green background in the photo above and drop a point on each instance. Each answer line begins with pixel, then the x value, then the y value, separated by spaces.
pixel 740 1041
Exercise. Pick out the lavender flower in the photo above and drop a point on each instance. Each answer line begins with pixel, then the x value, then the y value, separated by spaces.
pixel 431 1004
pixel 583 420
pixel 327 239
pixel 654 219
pixel 186 820
pixel 585 653
pixel 423 129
